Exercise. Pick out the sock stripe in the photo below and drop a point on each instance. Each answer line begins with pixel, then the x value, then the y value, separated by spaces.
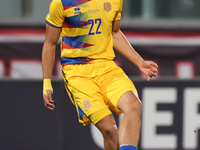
pixel 127 147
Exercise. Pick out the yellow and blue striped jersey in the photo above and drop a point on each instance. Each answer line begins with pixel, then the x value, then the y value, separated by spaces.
pixel 86 28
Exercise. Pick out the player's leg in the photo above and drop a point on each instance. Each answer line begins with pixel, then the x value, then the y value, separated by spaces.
pixel 117 87
pixel 109 130
pixel 129 131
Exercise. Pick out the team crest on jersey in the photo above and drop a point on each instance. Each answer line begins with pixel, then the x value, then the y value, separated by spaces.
pixel 86 104
pixel 107 6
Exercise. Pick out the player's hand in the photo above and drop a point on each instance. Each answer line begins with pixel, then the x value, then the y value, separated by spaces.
pixel 149 69
pixel 47 94
pixel 48 102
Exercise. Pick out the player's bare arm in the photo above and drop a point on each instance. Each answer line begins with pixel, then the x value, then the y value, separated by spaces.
pixel 48 59
pixel 121 44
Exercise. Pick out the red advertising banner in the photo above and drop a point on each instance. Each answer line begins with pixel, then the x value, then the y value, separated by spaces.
pixel 177 53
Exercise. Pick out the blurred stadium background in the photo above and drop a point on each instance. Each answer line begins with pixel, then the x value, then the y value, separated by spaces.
pixel 166 31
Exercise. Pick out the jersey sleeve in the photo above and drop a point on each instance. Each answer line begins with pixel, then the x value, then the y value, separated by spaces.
pixel 118 16
pixel 55 17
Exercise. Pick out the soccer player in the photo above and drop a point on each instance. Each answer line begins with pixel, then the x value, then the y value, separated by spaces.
pixel 95 84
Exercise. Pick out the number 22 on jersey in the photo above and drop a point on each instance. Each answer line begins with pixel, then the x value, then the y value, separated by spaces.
pixel 94 22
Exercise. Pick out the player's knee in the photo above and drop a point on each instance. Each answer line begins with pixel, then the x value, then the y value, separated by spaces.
pixel 136 107
pixel 110 131
pixel 133 107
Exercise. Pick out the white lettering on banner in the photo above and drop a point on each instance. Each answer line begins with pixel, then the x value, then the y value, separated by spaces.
pixel 22 68
pixel 96 136
pixel 120 117
pixel 152 118
pixel 191 117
